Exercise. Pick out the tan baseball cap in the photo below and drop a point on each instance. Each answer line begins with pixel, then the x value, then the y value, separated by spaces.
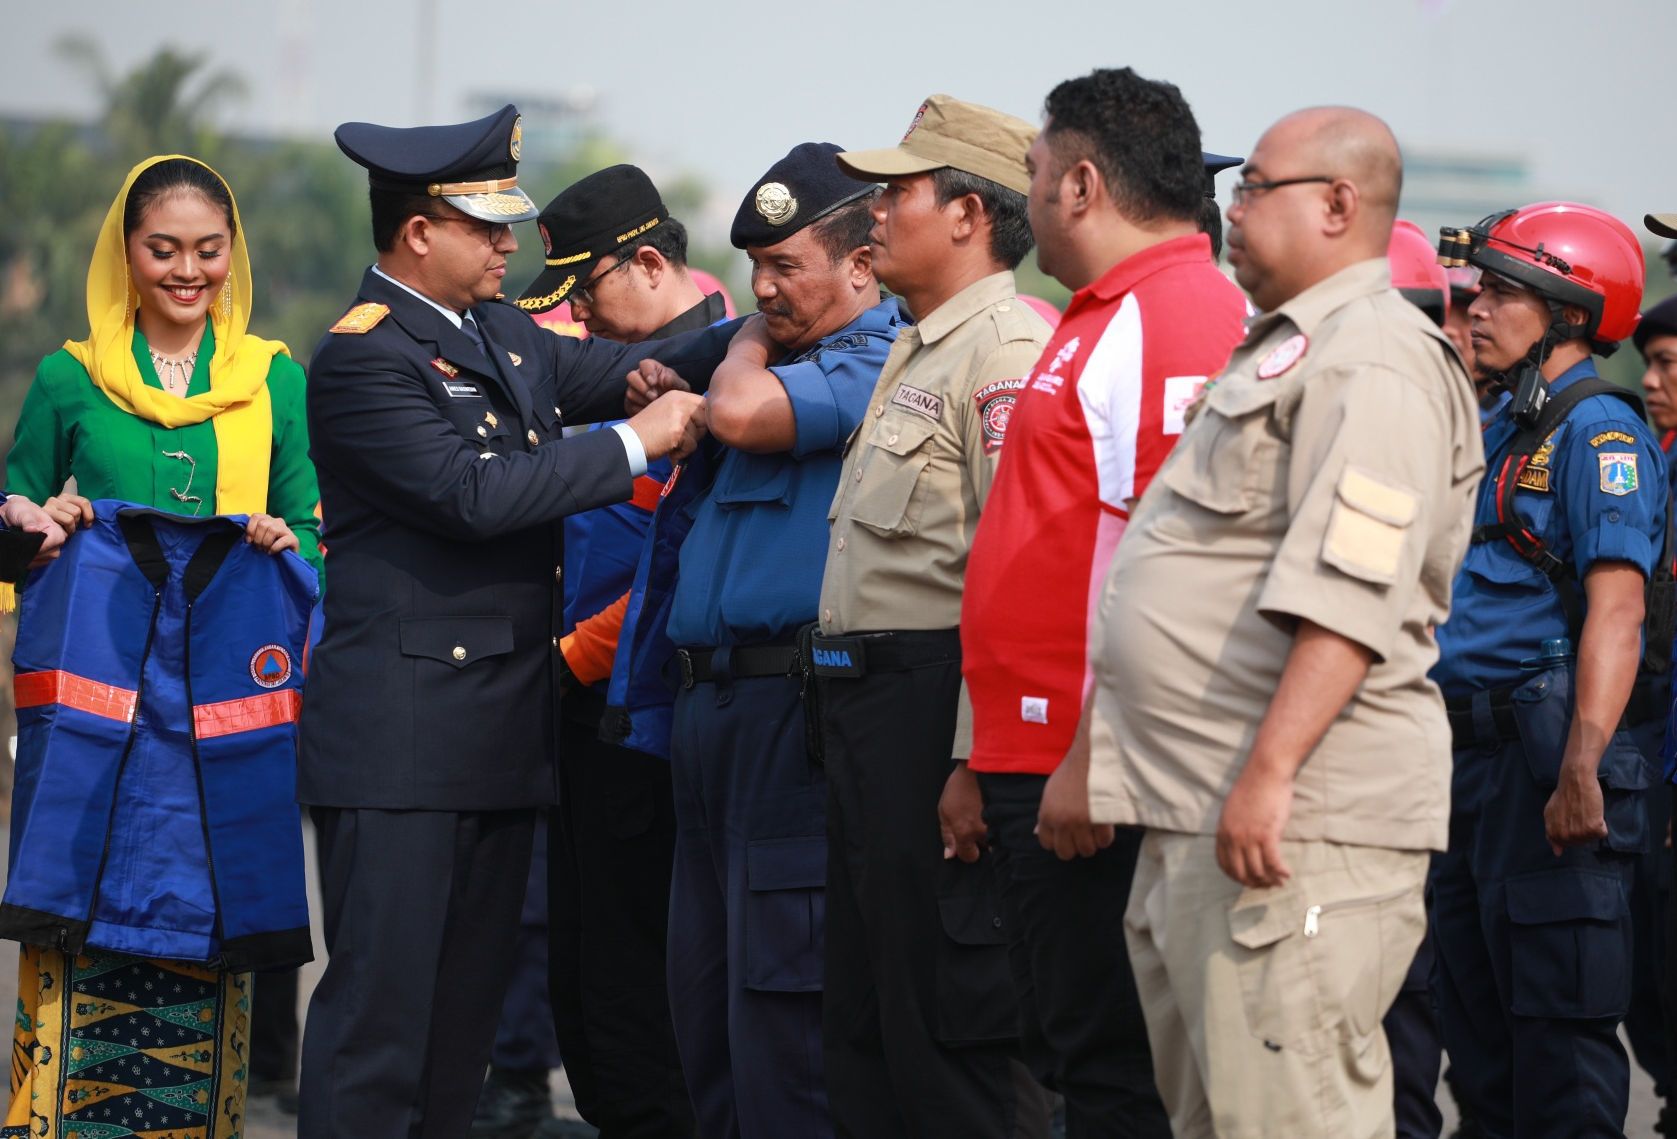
pixel 948 132
pixel 1663 224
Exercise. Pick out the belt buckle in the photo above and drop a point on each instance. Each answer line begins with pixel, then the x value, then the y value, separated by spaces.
pixel 685 660
pixel 839 656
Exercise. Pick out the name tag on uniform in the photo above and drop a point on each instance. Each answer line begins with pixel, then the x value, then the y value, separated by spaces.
pixel 924 403
pixel 839 656
pixel 460 389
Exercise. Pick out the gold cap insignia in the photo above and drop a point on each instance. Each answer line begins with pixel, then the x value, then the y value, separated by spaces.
pixel 361 318
pixel 517 144
pixel 776 204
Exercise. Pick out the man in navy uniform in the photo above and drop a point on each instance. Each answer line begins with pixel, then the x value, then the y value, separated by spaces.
pixel 746 899
pixel 428 744
pixel 1531 915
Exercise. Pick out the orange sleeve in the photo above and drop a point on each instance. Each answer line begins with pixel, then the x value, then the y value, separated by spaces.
pixel 591 647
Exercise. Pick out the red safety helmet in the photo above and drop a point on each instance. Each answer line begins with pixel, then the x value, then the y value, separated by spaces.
pixel 1570 254
pixel 1416 272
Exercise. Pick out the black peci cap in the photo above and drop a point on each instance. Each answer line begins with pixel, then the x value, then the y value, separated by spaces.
pixel 471 166
pixel 1660 320
pixel 801 188
pixel 601 213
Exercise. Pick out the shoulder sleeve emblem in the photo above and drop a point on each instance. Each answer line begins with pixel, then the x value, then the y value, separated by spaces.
pixel 361 318
pixel 1613 437
pixel 1618 472
pixel 996 402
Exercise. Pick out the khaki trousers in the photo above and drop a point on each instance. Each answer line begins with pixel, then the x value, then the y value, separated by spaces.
pixel 1263 1007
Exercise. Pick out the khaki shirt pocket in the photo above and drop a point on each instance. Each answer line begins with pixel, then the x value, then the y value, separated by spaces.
pixel 1367 525
pixel 898 452
pixel 1219 463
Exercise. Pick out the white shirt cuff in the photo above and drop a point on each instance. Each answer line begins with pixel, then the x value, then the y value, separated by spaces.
pixel 632 445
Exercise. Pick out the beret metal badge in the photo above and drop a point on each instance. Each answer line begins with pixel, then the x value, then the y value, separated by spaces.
pixel 776 204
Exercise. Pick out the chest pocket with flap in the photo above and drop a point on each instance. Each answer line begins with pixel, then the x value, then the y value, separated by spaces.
pixel 897 453
pixel 456 641
pixel 1218 464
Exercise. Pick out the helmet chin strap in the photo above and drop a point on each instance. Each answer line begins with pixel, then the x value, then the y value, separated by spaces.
pixel 1559 331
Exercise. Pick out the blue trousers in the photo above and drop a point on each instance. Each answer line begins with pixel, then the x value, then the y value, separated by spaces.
pixel 1534 951
pixel 747 909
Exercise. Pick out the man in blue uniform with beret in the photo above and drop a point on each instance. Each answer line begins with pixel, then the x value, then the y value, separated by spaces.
pixel 1538 664
pixel 745 953
pixel 428 740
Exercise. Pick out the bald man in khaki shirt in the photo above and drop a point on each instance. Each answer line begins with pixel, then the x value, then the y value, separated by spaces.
pixel 1262 703
pixel 919 1015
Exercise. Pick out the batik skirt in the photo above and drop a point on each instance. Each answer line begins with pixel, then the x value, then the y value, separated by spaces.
pixel 108 1045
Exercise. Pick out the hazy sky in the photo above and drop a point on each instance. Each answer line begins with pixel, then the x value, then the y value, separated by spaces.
pixel 1585 91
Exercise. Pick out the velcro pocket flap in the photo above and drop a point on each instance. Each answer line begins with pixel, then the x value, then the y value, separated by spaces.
pixel 1237 398
pixel 1365 531
pixel 1567 894
pixel 456 641
pixel 748 479
pixel 1262 917
pixel 786 863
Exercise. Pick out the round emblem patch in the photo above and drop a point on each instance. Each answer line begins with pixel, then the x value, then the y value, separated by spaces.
pixel 997 413
pixel 1289 352
pixel 516 146
pixel 270 666
pixel 776 204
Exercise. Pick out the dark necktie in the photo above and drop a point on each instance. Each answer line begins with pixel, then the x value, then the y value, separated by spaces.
pixel 470 328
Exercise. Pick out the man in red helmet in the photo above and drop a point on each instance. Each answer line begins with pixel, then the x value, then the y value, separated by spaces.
pixel 1530 908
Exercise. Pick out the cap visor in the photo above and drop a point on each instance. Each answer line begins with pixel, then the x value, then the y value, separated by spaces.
pixel 503 205
pixel 1663 224
pixel 893 162
pixel 548 290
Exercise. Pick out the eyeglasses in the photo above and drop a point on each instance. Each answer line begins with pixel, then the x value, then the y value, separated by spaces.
pixel 492 231
pixel 1244 190
pixel 584 293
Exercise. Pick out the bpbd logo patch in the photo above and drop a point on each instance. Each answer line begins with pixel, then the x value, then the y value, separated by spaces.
pixel 270 666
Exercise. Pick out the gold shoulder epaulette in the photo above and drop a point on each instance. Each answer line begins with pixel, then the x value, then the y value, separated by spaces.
pixel 361 318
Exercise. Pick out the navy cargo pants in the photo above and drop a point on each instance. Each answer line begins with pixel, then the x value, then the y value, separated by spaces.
pixel 747 908
pixel 1533 950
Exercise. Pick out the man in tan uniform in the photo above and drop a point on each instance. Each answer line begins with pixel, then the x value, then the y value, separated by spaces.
pixel 1262 704
pixel 919 1016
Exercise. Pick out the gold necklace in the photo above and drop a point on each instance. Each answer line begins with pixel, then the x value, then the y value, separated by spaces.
pixel 174 374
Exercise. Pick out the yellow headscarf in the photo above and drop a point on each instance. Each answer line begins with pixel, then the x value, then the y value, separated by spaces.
pixel 237 401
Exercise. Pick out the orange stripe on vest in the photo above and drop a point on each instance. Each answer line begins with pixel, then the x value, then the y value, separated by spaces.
pixel 647 492
pixel 58 687
pixel 247 714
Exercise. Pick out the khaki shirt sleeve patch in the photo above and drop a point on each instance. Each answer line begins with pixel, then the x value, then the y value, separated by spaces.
pixel 1366 528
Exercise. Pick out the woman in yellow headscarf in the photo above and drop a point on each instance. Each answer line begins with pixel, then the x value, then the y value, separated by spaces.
pixel 171 403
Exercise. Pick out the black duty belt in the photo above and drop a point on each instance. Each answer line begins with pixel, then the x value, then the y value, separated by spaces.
pixel 860 654
pixel 1647 703
pixel 698 666
pixel 1463 731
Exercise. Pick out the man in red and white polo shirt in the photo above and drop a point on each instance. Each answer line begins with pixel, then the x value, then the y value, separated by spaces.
pixel 1117 186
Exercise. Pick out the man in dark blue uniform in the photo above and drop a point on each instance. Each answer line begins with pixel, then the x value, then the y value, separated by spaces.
pixel 619 259
pixel 428 740
pixel 1531 913
pixel 745 952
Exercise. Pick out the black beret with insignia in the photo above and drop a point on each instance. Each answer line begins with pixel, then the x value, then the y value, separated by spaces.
pixel 471 166
pixel 603 212
pixel 801 188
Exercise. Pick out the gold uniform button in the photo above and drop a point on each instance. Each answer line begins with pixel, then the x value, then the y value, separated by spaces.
pixel 558 574
pixel 459 652
pixel 531 436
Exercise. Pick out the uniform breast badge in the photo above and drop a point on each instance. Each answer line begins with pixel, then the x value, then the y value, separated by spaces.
pixel 445 367
pixel 1289 352
pixel 362 318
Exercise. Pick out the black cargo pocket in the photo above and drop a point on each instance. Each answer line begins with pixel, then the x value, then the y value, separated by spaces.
pixel 1543 715
pixel 785 914
pixel 1569 939
pixel 1625 778
pixel 976 1001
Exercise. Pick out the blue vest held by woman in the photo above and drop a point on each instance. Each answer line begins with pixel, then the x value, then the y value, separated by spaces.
pixel 158 673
